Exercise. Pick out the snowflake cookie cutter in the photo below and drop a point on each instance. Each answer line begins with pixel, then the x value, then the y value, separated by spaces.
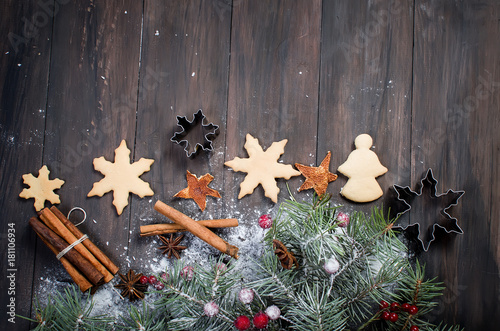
pixel 206 133
pixel 445 201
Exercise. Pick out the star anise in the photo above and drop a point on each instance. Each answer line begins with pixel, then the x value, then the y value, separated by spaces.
pixel 286 257
pixel 171 246
pixel 130 285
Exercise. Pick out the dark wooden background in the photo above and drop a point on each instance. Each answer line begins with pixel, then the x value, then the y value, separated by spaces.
pixel 421 77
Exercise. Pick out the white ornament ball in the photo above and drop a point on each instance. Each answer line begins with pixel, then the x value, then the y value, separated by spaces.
pixel 331 266
pixel 211 309
pixel 246 295
pixel 273 312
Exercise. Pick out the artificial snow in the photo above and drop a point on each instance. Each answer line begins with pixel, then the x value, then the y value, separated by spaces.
pixel 247 237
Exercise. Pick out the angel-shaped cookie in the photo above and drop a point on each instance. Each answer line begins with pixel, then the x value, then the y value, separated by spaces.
pixel 362 167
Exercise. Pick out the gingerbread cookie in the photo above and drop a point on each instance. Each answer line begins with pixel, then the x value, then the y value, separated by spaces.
pixel 198 189
pixel 317 177
pixel 362 167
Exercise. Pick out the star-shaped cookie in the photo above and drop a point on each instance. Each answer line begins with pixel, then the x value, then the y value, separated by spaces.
pixel 198 189
pixel 121 177
pixel 317 177
pixel 262 168
pixel 41 188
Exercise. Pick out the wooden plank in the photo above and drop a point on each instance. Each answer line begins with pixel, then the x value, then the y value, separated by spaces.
pixel 92 107
pixel 24 59
pixel 455 132
pixel 273 90
pixel 366 62
pixel 184 68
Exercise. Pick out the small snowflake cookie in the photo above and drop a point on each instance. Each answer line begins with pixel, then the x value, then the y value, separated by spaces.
pixel 41 188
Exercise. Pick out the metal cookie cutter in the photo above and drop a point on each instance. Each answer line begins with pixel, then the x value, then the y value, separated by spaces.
pixel 201 133
pixel 427 204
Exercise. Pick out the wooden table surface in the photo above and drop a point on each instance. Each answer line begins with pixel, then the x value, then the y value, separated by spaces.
pixel 421 77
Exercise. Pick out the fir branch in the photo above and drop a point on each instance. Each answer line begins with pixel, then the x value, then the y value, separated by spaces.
pixel 279 283
pixel 185 299
pixel 144 320
pixel 69 311
pixel 315 311
pixel 43 316
pixel 75 313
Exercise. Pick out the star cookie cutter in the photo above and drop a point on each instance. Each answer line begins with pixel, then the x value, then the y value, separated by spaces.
pixel 205 133
pixel 444 201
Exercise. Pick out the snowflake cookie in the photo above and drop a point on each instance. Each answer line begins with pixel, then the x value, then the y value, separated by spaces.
pixel 121 177
pixel 41 188
pixel 262 168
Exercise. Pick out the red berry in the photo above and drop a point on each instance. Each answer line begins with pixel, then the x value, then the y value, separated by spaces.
pixel 221 267
pixel 260 320
pixel 395 306
pixel 143 280
pixel 152 280
pixel 242 323
pixel 265 221
pixel 383 305
pixel 414 328
pixel 164 276
pixel 385 315
pixel 413 310
pixel 405 306
pixel 393 317
pixel 187 272
pixel 343 219
pixel 159 286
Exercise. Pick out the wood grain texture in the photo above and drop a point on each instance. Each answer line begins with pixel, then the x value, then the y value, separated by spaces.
pixel 184 68
pixel 91 108
pixel 273 87
pixel 455 132
pixel 366 63
pixel 24 69
pixel 420 76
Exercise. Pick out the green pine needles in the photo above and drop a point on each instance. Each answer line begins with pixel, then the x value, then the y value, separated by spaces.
pixel 69 310
pixel 344 273
pixel 369 256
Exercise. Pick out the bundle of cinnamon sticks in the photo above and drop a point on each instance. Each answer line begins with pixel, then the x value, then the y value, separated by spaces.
pixel 88 266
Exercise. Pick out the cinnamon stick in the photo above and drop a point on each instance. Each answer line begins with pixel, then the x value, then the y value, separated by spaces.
pixel 77 277
pixel 87 269
pixel 197 229
pixel 58 227
pixel 106 262
pixel 156 229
